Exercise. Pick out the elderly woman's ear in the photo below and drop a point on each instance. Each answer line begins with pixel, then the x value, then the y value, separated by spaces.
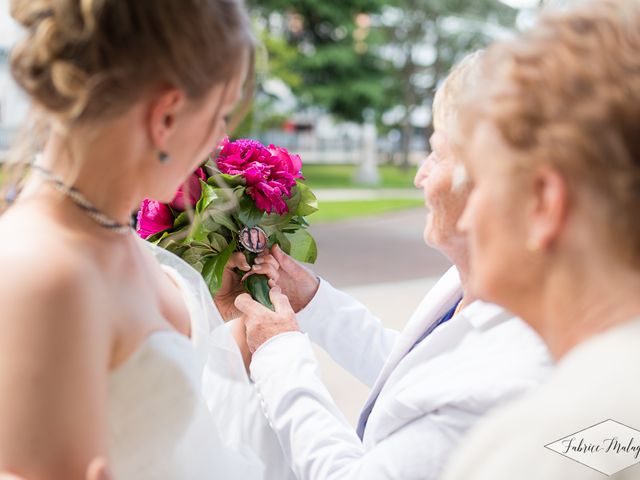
pixel 549 207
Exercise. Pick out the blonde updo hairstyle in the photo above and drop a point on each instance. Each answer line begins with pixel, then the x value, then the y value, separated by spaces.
pixel 85 61
pixel 567 93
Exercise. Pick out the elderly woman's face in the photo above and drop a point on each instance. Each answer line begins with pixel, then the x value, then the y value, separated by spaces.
pixel 495 219
pixel 445 194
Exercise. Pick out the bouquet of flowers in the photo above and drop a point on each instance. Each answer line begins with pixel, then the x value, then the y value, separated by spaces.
pixel 246 198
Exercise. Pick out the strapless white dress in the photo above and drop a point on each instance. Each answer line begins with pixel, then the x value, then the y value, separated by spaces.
pixel 184 409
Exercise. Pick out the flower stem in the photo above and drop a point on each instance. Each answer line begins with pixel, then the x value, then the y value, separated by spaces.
pixel 257 285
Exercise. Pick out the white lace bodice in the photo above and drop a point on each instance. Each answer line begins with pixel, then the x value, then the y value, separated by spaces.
pixel 183 408
pixel 159 427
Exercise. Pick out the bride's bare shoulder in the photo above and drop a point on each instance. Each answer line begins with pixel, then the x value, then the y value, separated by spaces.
pixel 37 246
pixel 44 271
pixel 54 350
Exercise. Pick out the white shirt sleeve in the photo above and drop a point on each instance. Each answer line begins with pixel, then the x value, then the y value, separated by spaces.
pixel 348 332
pixel 317 439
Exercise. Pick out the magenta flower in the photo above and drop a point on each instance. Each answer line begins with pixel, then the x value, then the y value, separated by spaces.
pixel 191 187
pixel 153 217
pixel 268 197
pixel 270 173
pixel 244 157
pixel 293 163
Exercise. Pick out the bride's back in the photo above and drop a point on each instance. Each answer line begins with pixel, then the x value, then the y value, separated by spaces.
pixel 93 336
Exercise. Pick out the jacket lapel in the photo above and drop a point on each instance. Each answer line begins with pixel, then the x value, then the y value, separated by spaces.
pixel 433 306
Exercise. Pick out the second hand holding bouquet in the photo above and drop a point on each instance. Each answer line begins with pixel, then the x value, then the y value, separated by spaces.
pixel 246 199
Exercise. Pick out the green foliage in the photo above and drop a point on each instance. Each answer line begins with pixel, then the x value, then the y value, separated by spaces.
pixel 303 246
pixel 334 59
pixel 341 176
pixel 213 268
pixel 343 81
pixel 448 28
pixel 274 60
pixel 248 214
pixel 281 55
pixel 308 202
pixel 344 210
pixel 258 286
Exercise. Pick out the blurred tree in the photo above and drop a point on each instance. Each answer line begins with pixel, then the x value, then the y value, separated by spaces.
pixel 424 38
pixel 338 68
pixel 274 59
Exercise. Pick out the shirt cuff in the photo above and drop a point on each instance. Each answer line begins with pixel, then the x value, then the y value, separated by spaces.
pixel 317 306
pixel 279 351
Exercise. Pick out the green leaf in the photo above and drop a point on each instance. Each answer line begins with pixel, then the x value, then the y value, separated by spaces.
pixel 195 253
pixel 214 218
pixel 293 201
pixel 249 215
pixel 181 220
pixel 213 268
pixel 156 237
pixel 209 194
pixel 303 246
pixel 179 249
pixel 224 180
pixel 275 220
pixel 217 241
pixel 308 201
pixel 269 230
pixel 282 240
pixel 198 232
pixel 258 286
pixel 178 236
pixel 210 224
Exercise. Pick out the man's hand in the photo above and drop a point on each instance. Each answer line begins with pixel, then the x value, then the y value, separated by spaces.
pixel 231 287
pixel 297 283
pixel 263 324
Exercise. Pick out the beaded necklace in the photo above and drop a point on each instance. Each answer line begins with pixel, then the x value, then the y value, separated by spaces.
pixel 81 201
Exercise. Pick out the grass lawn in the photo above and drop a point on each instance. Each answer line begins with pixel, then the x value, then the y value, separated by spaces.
pixel 332 211
pixel 341 176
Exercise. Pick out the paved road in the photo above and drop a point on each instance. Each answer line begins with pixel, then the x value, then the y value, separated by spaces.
pixel 381 249
pixel 383 262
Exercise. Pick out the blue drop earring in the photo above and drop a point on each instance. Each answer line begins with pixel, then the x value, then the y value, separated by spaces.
pixel 163 156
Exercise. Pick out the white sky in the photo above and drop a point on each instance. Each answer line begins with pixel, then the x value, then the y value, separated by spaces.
pixel 9 30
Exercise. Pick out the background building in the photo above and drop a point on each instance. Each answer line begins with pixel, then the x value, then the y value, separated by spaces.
pixel 13 103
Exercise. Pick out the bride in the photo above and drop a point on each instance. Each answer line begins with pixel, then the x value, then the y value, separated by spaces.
pixel 108 347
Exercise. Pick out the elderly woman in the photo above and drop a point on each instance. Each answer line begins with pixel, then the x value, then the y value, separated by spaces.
pixel 456 359
pixel 554 236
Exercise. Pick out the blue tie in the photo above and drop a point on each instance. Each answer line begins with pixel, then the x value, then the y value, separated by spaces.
pixel 364 415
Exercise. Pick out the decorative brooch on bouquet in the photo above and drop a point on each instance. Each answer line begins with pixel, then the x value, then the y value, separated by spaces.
pixel 246 197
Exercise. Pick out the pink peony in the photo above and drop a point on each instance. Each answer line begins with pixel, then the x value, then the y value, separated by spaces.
pixel 244 157
pixel 268 197
pixel 153 217
pixel 191 187
pixel 270 173
pixel 293 163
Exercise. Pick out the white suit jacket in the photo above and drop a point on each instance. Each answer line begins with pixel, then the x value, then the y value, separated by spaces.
pixel 426 399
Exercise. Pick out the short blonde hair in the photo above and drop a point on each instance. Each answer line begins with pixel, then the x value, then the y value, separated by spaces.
pixel 567 93
pixel 446 102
